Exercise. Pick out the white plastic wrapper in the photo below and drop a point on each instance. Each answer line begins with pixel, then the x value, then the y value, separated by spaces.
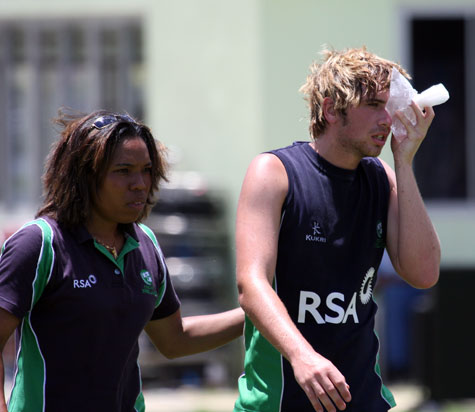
pixel 401 93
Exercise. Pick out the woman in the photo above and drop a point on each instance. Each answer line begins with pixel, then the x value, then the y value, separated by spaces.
pixel 81 282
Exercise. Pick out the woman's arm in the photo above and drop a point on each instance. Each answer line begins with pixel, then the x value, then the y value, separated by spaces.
pixel 175 336
pixel 8 323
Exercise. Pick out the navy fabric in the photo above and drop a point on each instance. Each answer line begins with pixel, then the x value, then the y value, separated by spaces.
pixel 90 314
pixel 331 242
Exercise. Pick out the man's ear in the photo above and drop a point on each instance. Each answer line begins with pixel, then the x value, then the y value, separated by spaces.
pixel 331 116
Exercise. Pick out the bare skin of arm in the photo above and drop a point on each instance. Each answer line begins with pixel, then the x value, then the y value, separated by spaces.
pixel 175 336
pixel 412 241
pixel 257 228
pixel 8 323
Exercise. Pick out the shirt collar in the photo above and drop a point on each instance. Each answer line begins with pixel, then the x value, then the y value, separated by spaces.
pixel 82 235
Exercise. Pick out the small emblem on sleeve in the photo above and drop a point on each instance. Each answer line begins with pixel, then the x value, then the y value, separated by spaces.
pixel 145 275
pixel 148 283
pixel 379 235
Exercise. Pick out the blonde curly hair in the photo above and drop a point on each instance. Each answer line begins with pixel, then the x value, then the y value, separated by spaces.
pixel 346 77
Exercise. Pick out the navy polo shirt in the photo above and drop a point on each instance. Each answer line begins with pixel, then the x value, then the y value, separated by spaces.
pixel 81 315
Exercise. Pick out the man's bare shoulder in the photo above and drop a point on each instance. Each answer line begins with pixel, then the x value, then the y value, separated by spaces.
pixel 267 171
pixel 390 173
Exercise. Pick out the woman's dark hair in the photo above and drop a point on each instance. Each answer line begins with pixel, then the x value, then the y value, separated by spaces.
pixel 77 163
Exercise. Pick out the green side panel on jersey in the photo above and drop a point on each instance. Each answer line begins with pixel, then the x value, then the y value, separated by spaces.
pixel 28 386
pixel 46 260
pixel 163 285
pixel 385 392
pixel 140 402
pixel 261 385
pixel 28 391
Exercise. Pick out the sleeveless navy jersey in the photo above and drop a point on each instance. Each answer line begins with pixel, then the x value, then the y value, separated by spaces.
pixel 331 242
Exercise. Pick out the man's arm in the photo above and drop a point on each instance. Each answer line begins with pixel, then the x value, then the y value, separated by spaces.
pixel 412 242
pixel 257 230
pixel 175 336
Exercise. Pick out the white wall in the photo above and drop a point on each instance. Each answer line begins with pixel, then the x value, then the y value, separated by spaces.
pixel 222 76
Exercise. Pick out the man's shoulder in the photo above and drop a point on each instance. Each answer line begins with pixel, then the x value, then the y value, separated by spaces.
pixel 295 146
pixel 295 153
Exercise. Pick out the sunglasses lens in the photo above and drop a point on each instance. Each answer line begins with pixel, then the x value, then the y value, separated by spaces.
pixel 104 121
pixel 127 118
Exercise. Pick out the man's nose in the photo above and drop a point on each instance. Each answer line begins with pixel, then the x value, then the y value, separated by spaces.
pixel 386 119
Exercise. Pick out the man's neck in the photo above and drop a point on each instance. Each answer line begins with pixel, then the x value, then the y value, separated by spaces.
pixel 337 156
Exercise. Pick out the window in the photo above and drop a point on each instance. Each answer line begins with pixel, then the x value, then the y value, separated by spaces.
pixel 441 52
pixel 46 65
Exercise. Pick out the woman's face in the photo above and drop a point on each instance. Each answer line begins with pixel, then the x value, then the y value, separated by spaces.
pixel 122 195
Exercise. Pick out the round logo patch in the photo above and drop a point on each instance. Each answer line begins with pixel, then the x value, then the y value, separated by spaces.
pixel 367 286
pixel 146 277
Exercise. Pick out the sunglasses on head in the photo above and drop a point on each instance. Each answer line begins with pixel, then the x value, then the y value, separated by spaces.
pixel 106 120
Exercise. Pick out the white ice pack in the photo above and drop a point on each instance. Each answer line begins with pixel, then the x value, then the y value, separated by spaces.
pixel 401 93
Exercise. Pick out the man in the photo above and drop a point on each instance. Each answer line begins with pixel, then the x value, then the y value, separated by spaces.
pixel 312 223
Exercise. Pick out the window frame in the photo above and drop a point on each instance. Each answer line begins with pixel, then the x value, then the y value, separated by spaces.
pixel 406 16
pixel 37 87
